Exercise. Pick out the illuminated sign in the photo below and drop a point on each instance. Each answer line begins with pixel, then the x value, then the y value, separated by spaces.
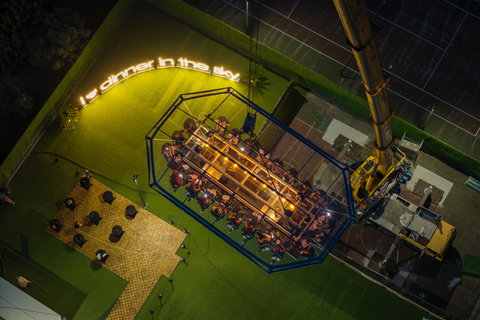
pixel 150 65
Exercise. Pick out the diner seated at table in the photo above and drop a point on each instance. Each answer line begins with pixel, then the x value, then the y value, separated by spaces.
pixel 233 222
pixel 318 236
pixel 277 167
pixel 318 228
pixel 170 153
pixel 306 250
pixel 233 136
pixel 289 176
pixel 189 126
pixel 278 250
pixel 219 211
pixel 248 229
pixel 318 195
pixel 263 158
pixel 178 138
pixel 205 201
pixel 178 179
pixel 193 188
pixel 221 124
pixel 265 240
pixel 246 146
pixel 320 223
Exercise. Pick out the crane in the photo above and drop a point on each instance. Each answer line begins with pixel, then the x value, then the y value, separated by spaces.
pixel 385 160
pixel 417 226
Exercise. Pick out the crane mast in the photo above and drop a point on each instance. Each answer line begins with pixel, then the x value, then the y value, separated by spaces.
pixel 376 169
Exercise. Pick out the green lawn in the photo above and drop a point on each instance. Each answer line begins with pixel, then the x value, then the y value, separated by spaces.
pixel 218 283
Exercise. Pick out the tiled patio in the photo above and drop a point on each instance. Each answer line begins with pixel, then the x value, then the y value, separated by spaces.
pixel 145 251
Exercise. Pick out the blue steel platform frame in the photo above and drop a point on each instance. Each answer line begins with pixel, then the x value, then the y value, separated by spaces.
pixel 269 268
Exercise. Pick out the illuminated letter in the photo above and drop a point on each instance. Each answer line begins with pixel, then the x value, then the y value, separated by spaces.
pixel 194 65
pixel 169 60
pixel 127 70
pixel 230 75
pixel 115 78
pixel 236 77
pixel 218 70
pixel 142 66
pixel 106 85
pixel 202 66
pixel 150 64
pixel 82 101
pixel 181 61
pixel 163 63
pixel 92 94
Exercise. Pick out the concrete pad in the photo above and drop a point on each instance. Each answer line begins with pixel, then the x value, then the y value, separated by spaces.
pixel 431 178
pixel 16 304
pixel 337 128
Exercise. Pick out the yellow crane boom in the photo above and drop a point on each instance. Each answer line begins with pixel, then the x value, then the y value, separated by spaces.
pixel 373 172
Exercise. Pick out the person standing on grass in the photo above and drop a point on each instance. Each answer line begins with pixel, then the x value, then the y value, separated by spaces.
pixel 4 193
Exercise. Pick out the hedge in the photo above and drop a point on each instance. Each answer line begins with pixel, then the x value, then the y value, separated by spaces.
pixel 356 104
pixel 63 90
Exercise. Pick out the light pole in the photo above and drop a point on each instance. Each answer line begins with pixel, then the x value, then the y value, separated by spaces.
pixel 144 205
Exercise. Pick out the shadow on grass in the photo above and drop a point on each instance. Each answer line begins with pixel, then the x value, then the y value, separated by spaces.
pixel 68 248
pixel 95 265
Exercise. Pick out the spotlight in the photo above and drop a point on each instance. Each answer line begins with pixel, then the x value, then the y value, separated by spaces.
pixel 170 279
pixel 160 298
pixel 183 246
pixel 170 221
pixel 185 230
pixel 152 311
pixel 182 259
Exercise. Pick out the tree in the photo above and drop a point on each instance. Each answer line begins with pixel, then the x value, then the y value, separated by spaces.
pixel 13 99
pixel 257 80
pixel 45 39
pixel 17 20
pixel 67 113
pixel 59 41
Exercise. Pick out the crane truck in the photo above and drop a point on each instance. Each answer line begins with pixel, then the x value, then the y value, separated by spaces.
pixel 371 182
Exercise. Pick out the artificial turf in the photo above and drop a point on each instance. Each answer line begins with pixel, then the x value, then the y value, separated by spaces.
pixel 216 282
